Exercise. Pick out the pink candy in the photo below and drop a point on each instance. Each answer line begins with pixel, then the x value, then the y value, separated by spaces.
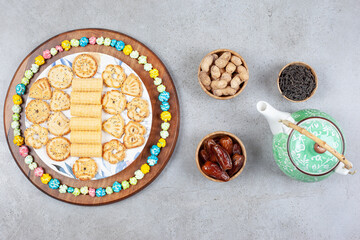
pixel 92 40
pixel 23 150
pixel 92 192
pixel 59 48
pixel 39 171
pixel 47 54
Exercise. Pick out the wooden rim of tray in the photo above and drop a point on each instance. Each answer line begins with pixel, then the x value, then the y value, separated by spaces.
pixel 154 136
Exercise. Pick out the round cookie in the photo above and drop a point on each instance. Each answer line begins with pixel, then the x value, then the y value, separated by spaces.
pixel 114 151
pixel 85 66
pixel 114 102
pixel 37 111
pixel 60 76
pixel 58 148
pixel 113 76
pixel 138 109
pixel 84 168
pixel 36 136
pixel 58 124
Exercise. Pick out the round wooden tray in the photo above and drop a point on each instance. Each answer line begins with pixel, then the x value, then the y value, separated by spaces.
pixel 166 152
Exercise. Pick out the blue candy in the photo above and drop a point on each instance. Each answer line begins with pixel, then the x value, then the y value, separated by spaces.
pixel 113 42
pixel 165 106
pixel 54 183
pixel 116 186
pixel 20 89
pixel 84 41
pixel 152 160
pixel 164 96
pixel 100 192
pixel 155 150
pixel 70 190
pixel 119 45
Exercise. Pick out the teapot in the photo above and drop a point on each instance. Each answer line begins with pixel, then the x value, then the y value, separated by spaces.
pixel 308 145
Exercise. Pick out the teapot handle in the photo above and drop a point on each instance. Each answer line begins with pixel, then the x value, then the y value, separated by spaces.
pixel 323 144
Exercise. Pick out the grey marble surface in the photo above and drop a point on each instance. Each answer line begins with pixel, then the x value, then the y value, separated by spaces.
pixel 262 203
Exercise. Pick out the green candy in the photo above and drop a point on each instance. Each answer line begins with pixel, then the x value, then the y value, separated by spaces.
pixel 125 184
pixel 25 81
pixel 133 181
pixel 76 192
pixel 29 74
pixel 109 190
pixel 16 117
pixel 74 42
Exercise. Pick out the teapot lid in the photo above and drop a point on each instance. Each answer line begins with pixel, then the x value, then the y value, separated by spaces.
pixel 303 151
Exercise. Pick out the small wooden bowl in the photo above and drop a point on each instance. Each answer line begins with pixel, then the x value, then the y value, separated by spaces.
pixel 308 67
pixel 220 134
pixel 242 85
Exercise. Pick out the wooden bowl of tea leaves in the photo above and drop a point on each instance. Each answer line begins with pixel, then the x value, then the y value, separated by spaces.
pixel 297 82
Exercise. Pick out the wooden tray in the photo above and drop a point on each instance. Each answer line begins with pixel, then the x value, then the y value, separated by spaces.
pixel 166 152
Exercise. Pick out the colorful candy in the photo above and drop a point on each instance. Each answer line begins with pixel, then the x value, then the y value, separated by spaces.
pixel 154 150
pixel 119 45
pixel 100 192
pixel 154 73
pixel 39 171
pixel 25 81
pixel 152 160
pixel 46 54
pixel 145 168
pixel 165 126
pixel 164 96
pixel 161 88
pixel 109 190
pixel 59 48
pixel 20 88
pixel 16 117
pixel 127 49
pixel 17 99
pixel 28 159
pixel 63 188
pixel 15 124
pixel 107 42
pixel 33 166
pixel 16 109
pixel 54 183
pixel 147 66
pixel 165 116
pixel 133 181
pixel 113 43
pixel 18 140
pixel 74 42
pixel 84 190
pixel 76 192
pixel 70 189
pixel 34 68
pixel 45 178
pixel 142 59
pixel 92 40
pixel 28 74
pixel 66 45
pixel 17 132
pixel 164 134
pixel 125 184
pixel 100 41
pixel 92 192
pixel 84 41
pixel 165 106
pixel 24 151
pixel 53 51
pixel 116 186
pixel 139 174
pixel 39 60
pixel 161 143
pixel 134 54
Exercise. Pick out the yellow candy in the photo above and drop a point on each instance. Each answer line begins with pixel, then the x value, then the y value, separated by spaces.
pixel 39 60
pixel 18 140
pixel 154 73
pixel 161 143
pixel 145 168
pixel 127 49
pixel 45 178
pixel 17 99
pixel 66 45
pixel 165 116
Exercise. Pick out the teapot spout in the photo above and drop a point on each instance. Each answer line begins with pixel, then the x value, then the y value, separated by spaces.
pixel 273 116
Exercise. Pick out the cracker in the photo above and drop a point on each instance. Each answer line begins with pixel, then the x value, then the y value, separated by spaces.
pixel 60 76
pixel 113 76
pixel 132 86
pixel 114 102
pixel 134 128
pixel 86 137
pixel 93 111
pixel 133 141
pixel 60 101
pixel 41 89
pixel 58 148
pixel 36 136
pixel 114 126
pixel 85 98
pixel 85 169
pixel 86 150
pixel 84 66
pixel 85 124
pixel 138 109
pixel 37 111
pixel 114 151
pixel 87 85
pixel 58 124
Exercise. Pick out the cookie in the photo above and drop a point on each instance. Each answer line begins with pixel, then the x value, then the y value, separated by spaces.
pixel 60 76
pixel 132 86
pixel 134 128
pixel 133 141
pixel 60 101
pixel 114 151
pixel 40 89
pixel 36 136
pixel 138 109
pixel 113 102
pixel 58 148
pixel 84 66
pixel 85 169
pixel 114 126
pixel 113 76
pixel 58 124
pixel 37 111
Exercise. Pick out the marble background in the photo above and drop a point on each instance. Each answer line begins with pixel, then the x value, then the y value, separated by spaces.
pixel 262 203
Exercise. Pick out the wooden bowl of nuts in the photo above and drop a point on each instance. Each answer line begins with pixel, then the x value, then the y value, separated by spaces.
pixel 223 74
pixel 220 156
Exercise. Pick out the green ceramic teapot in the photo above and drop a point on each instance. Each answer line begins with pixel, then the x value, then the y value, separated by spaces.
pixel 308 145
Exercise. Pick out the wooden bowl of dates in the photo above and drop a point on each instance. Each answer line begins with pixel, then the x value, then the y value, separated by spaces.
pixel 221 156
pixel 223 74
